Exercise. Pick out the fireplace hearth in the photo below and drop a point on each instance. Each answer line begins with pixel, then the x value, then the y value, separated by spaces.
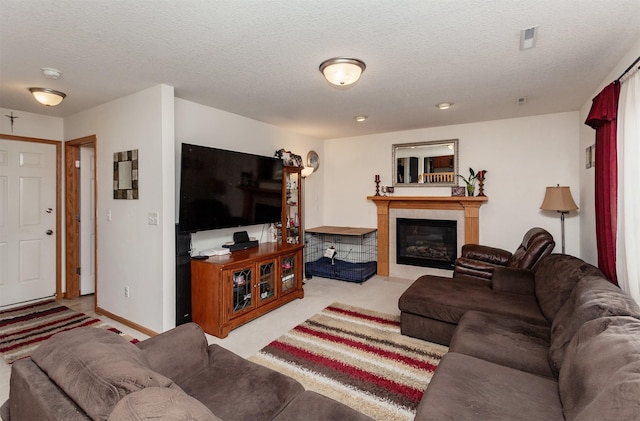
pixel 426 242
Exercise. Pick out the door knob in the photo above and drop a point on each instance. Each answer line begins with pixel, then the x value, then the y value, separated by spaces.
pixel 49 232
pixel 49 210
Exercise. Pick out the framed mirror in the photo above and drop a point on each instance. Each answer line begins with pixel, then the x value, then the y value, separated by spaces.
pixel 425 164
pixel 125 174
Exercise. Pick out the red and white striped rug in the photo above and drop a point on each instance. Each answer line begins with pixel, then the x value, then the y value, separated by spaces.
pixel 357 357
pixel 23 328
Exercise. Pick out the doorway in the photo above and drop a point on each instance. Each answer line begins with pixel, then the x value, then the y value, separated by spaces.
pixel 30 171
pixel 80 217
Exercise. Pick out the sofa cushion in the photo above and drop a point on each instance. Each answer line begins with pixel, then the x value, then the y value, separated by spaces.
pixel 447 299
pixel 600 375
pixel 555 278
pixel 161 403
pixel 468 388
pixel 224 386
pixel 503 340
pixel 592 297
pixel 4 410
pixel 96 368
pixel 188 341
pixel 314 406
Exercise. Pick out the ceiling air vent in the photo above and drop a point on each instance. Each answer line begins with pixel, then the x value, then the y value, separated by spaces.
pixel 528 37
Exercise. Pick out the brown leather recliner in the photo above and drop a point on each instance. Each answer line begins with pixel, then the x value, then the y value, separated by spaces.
pixel 478 262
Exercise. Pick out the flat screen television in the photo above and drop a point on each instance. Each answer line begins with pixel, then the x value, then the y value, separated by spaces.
pixel 223 189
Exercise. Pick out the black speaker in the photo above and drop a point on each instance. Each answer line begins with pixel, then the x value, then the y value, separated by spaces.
pixel 240 237
pixel 183 277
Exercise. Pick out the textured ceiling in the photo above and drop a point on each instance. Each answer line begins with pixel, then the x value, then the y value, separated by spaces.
pixel 260 58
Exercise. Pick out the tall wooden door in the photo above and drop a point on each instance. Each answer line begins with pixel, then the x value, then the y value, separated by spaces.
pixel 27 221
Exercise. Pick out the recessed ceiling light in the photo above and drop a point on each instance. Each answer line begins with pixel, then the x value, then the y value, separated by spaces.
pixel 361 118
pixel 444 105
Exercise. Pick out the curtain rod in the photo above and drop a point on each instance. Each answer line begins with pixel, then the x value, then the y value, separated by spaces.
pixel 628 68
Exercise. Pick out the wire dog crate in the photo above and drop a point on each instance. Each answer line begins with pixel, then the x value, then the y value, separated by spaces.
pixel 343 253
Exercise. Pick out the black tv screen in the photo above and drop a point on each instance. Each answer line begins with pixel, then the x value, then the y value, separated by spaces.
pixel 223 189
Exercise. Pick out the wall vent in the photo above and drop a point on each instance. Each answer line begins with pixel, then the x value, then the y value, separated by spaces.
pixel 528 37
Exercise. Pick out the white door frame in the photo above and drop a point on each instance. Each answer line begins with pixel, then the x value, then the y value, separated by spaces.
pixel 72 208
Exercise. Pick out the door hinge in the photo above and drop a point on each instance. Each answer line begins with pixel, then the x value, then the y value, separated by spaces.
pixel 77 217
pixel 78 164
pixel 78 270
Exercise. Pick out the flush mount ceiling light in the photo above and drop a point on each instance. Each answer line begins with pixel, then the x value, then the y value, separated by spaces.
pixel 361 118
pixel 444 105
pixel 48 97
pixel 342 71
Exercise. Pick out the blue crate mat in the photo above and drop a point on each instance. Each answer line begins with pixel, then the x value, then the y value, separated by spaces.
pixel 341 270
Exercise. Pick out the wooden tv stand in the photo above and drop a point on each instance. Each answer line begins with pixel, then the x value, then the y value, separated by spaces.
pixel 228 291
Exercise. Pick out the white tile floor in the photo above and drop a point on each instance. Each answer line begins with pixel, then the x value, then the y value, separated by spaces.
pixel 378 293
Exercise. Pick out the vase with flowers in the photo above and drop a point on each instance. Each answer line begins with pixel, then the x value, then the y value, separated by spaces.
pixel 471 181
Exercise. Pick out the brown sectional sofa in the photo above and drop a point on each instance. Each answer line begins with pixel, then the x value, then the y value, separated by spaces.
pixel 91 373
pixel 568 346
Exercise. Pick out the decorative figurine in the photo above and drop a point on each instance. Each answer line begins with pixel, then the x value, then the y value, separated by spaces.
pixel 377 185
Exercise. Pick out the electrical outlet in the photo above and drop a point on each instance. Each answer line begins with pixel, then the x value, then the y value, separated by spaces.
pixel 126 291
pixel 152 218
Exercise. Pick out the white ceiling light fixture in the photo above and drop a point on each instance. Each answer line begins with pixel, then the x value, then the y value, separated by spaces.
pixel 48 97
pixel 444 105
pixel 342 71
pixel 361 118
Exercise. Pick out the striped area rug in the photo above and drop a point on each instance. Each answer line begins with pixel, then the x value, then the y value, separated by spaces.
pixel 357 357
pixel 23 328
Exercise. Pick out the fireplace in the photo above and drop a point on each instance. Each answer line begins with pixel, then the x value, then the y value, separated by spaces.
pixel 426 242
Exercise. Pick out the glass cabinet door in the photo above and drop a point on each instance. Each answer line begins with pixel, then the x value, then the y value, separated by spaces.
pixel 292 222
pixel 242 288
pixel 288 273
pixel 267 282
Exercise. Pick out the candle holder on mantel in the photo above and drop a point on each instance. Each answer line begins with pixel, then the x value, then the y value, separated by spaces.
pixel 480 176
pixel 377 180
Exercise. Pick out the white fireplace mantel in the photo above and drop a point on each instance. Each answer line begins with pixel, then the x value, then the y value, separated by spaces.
pixel 469 205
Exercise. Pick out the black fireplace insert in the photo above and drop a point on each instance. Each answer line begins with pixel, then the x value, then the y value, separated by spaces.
pixel 426 242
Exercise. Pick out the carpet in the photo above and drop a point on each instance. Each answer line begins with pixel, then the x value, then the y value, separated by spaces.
pixel 357 357
pixel 23 328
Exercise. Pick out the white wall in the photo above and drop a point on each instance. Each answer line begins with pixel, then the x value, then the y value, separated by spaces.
pixel 201 125
pixel 32 125
pixel 130 251
pixel 522 156
pixel 588 245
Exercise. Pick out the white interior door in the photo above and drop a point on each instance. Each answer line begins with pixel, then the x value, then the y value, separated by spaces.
pixel 27 221
pixel 87 221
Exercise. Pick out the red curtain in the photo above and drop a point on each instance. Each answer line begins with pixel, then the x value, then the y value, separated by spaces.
pixel 602 118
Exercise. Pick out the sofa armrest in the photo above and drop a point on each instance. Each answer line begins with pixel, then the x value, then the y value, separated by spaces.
pixel 492 255
pixel 513 280
pixel 177 353
pixel 33 396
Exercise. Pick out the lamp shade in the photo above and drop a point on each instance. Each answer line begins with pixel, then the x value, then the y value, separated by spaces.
pixel 559 199
pixel 47 97
pixel 342 71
